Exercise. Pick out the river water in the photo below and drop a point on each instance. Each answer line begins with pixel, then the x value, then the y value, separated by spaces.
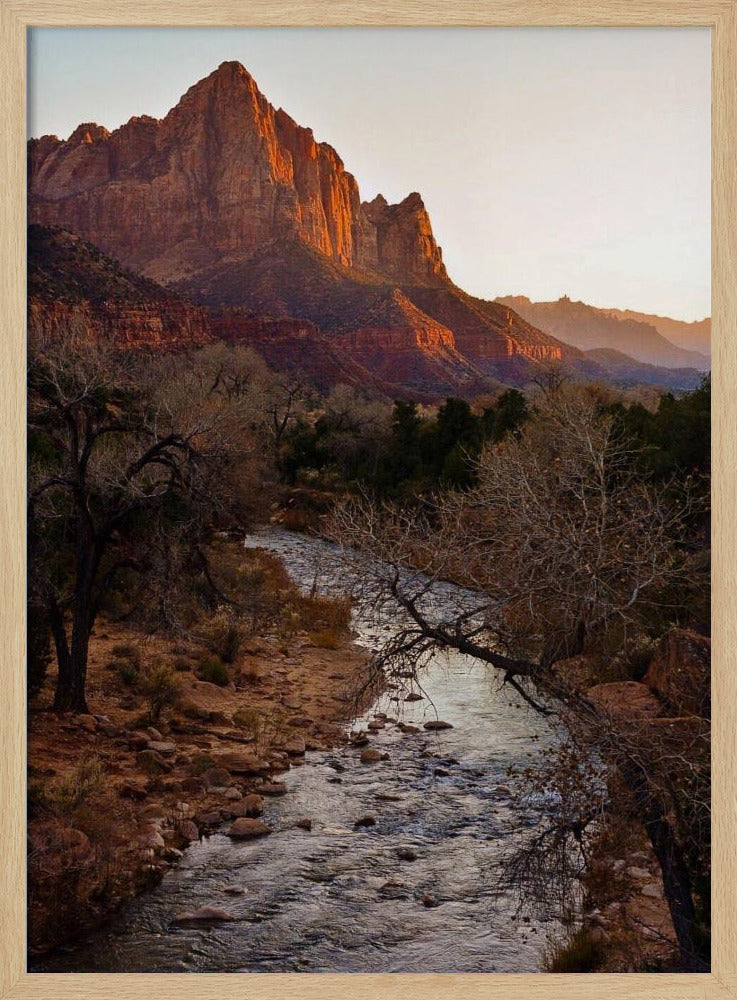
pixel 340 898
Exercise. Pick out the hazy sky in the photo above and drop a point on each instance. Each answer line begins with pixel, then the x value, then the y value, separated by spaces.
pixel 551 160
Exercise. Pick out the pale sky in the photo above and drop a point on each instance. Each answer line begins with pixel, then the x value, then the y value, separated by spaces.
pixel 551 160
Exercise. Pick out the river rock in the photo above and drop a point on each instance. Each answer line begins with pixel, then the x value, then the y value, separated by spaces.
pixel 245 829
pixel 295 747
pixel 437 724
pixel 131 789
pixel 638 873
pixel 406 854
pixel 367 820
pixel 233 794
pixel 427 899
pixel 205 915
pixel 304 824
pixel 188 830
pixel 216 777
pixel 413 696
pixel 240 762
pixel 372 756
pixel 408 729
pixel 376 725
pixel 273 788
pixel 441 772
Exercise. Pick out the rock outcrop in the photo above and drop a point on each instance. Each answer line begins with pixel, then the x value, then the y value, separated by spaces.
pixel 219 176
pixel 680 672
pixel 229 202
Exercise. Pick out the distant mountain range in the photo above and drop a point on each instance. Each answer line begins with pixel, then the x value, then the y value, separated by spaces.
pixel 655 340
pixel 228 204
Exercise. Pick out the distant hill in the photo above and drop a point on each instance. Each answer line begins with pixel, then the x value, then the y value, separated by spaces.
pixel 627 373
pixel 589 328
pixel 694 336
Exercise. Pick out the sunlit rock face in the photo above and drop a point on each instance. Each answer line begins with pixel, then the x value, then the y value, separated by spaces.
pixel 230 202
pixel 222 174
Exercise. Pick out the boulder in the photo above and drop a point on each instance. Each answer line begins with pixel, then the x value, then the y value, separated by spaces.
pixel 367 820
pixel 244 828
pixel 625 701
pixel 163 747
pixel 304 824
pixel 216 777
pixel 188 830
pixel 435 725
pixel 680 672
pixel 295 747
pixel 233 794
pixel 272 788
pixel 241 762
pixel 371 756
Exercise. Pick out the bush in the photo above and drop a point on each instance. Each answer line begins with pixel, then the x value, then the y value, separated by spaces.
pixel 326 638
pixel 213 670
pixel 579 953
pixel 127 671
pixel 76 789
pixel 127 651
pixel 160 687
pixel 181 665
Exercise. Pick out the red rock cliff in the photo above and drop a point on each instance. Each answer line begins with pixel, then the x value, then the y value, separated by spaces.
pixel 222 174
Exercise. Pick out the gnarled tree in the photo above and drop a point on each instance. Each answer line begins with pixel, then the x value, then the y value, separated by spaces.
pixel 563 550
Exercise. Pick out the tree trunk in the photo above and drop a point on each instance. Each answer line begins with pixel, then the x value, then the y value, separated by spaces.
pixel 72 681
pixel 676 878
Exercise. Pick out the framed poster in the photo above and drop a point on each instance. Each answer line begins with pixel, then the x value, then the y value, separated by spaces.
pixel 225 337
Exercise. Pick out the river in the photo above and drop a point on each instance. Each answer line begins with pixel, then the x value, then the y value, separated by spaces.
pixel 340 898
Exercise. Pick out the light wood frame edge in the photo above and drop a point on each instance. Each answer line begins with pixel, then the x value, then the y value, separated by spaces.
pixel 15 17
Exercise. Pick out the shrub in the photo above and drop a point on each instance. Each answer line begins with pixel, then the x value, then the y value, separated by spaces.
pixel 160 687
pixel 181 664
pixel 579 953
pixel 127 671
pixel 326 638
pixel 213 670
pixel 86 781
pixel 127 651
pixel 202 762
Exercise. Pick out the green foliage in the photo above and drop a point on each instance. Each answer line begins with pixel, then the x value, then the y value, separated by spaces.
pixel 213 670
pixel 161 688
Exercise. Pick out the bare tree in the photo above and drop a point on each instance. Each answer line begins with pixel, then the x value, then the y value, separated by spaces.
pixel 121 450
pixel 559 545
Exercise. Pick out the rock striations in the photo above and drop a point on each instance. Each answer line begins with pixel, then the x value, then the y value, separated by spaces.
pixel 228 202
pixel 222 174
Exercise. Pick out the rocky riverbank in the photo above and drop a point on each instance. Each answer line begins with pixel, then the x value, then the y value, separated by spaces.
pixel 114 800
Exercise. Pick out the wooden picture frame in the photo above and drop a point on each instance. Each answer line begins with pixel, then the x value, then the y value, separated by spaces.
pixel 15 17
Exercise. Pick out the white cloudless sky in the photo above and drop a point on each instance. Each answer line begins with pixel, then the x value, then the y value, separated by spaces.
pixel 552 160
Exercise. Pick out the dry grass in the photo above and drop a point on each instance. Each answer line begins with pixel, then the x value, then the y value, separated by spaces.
pixel 577 953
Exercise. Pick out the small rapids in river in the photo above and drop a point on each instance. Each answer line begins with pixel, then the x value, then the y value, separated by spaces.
pixel 318 901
